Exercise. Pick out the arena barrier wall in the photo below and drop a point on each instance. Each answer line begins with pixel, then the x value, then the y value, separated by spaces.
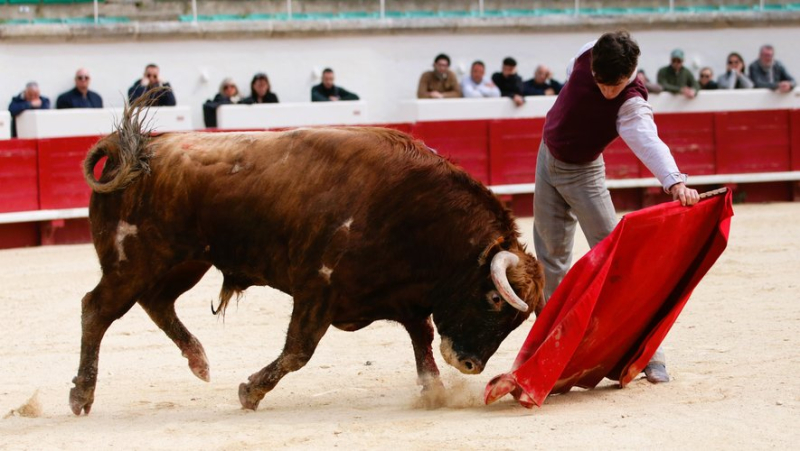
pixel 748 141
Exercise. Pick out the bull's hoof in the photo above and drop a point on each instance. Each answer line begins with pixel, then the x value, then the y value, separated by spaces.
pixel 247 398
pixel 198 362
pixel 80 401
pixel 434 395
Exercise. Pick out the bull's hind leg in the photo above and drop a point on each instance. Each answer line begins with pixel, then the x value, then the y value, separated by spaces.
pixel 159 303
pixel 110 300
pixel 311 317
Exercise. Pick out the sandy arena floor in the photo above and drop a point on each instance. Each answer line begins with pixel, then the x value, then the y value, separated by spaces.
pixel 734 356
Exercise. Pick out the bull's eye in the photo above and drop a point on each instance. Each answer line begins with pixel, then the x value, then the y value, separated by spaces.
pixel 495 301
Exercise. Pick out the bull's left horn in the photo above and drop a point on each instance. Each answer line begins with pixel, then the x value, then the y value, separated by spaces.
pixel 500 264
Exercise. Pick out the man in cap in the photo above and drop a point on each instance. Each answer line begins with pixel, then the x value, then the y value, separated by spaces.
pixel 677 79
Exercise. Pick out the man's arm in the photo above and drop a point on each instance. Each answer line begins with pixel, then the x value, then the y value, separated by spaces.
pixel 317 96
pixel 346 95
pixel 45 103
pixel 455 86
pixel 489 91
pixel 783 75
pixel 469 89
pixel 17 106
pixel 422 88
pixel 662 79
pixel 62 102
pixel 691 81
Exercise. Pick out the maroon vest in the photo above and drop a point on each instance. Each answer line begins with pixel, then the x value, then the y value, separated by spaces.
pixel 582 122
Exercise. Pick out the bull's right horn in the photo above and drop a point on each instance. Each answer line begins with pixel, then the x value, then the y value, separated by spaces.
pixel 500 264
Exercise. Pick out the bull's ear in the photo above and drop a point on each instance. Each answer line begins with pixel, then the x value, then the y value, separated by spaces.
pixel 495 300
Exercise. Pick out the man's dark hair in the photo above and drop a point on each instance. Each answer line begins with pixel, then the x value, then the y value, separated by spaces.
pixel 510 62
pixel 478 63
pixel 442 56
pixel 614 57
pixel 327 70
pixel 151 66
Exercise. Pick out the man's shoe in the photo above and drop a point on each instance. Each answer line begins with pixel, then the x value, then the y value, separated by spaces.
pixel 656 373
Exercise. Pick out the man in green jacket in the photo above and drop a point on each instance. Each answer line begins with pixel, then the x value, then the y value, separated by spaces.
pixel 677 79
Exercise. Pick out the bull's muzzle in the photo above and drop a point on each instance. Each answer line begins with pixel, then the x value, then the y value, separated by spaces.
pixel 465 364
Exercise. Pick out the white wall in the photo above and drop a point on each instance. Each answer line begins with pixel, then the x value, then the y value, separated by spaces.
pixel 383 70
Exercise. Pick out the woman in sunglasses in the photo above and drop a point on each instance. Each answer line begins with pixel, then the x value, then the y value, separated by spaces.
pixel 734 77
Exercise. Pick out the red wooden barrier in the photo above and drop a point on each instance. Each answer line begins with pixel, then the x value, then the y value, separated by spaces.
pixel 691 139
pixel 18 175
pixel 61 182
pixel 513 149
pixel 465 142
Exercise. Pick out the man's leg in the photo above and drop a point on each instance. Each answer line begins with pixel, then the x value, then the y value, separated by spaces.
pixel 584 188
pixel 553 225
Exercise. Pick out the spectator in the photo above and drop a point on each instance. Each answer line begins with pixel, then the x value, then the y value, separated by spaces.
pixel 477 84
pixel 509 82
pixel 80 96
pixel 29 99
pixel 440 82
pixel 151 80
pixel 228 94
pixel 542 83
pixel 734 77
pixel 677 79
pixel 260 90
pixel 707 79
pixel 329 92
pixel 767 72
pixel 653 88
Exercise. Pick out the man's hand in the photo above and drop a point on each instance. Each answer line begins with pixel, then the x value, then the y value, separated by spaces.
pixel 519 100
pixel 36 103
pixel 549 92
pixel 688 92
pixel 144 82
pixel 784 86
pixel 435 95
pixel 686 195
pixel 333 98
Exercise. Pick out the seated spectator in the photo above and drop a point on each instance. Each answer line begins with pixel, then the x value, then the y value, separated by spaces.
pixel 652 88
pixel 29 99
pixel 260 91
pixel 151 80
pixel 734 77
pixel 767 72
pixel 477 84
pixel 509 82
pixel 706 79
pixel 542 83
pixel 677 79
pixel 228 94
pixel 329 92
pixel 440 82
pixel 80 96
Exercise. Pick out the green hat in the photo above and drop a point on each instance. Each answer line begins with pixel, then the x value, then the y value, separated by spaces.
pixel 677 54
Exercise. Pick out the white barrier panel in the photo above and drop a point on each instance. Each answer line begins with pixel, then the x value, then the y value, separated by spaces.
pixel 538 106
pixel 95 121
pixel 274 115
pixel 5 125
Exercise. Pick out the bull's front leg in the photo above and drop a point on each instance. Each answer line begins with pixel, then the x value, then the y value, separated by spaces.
pixel 311 317
pixel 421 333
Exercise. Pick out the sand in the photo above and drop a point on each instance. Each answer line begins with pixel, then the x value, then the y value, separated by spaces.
pixel 733 355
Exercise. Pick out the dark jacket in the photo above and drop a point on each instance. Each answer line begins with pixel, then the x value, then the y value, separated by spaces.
pixel 167 98
pixel 19 104
pixel 509 86
pixel 531 88
pixel 761 78
pixel 710 85
pixel 269 97
pixel 320 93
pixel 74 99
pixel 210 109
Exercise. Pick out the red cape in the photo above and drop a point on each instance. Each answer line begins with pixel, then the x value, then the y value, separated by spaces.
pixel 615 306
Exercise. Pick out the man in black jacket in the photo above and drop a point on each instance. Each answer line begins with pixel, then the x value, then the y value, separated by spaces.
pixel 328 92
pixel 80 96
pixel 151 80
pixel 509 82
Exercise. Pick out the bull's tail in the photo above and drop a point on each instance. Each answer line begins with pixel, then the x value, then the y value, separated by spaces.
pixel 126 148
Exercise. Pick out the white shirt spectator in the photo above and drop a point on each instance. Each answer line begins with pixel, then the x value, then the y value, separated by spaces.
pixel 483 89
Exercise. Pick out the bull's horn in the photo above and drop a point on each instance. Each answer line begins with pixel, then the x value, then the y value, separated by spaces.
pixel 500 264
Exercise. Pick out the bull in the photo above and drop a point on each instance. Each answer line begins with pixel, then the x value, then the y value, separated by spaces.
pixel 356 224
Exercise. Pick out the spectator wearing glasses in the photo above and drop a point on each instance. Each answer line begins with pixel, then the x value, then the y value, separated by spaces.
pixel 767 72
pixel 228 94
pixel 734 77
pixel 29 99
pixel 329 92
pixel 707 79
pixel 80 96
pixel 677 79
pixel 260 91
pixel 151 80
pixel 440 82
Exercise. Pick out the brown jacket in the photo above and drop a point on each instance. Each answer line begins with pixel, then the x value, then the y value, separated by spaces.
pixel 449 87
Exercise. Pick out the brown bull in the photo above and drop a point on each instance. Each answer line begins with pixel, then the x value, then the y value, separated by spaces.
pixel 357 224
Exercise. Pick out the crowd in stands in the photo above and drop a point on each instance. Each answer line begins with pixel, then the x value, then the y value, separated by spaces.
pixel 441 82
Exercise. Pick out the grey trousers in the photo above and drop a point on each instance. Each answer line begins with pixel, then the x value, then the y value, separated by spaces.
pixel 565 195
